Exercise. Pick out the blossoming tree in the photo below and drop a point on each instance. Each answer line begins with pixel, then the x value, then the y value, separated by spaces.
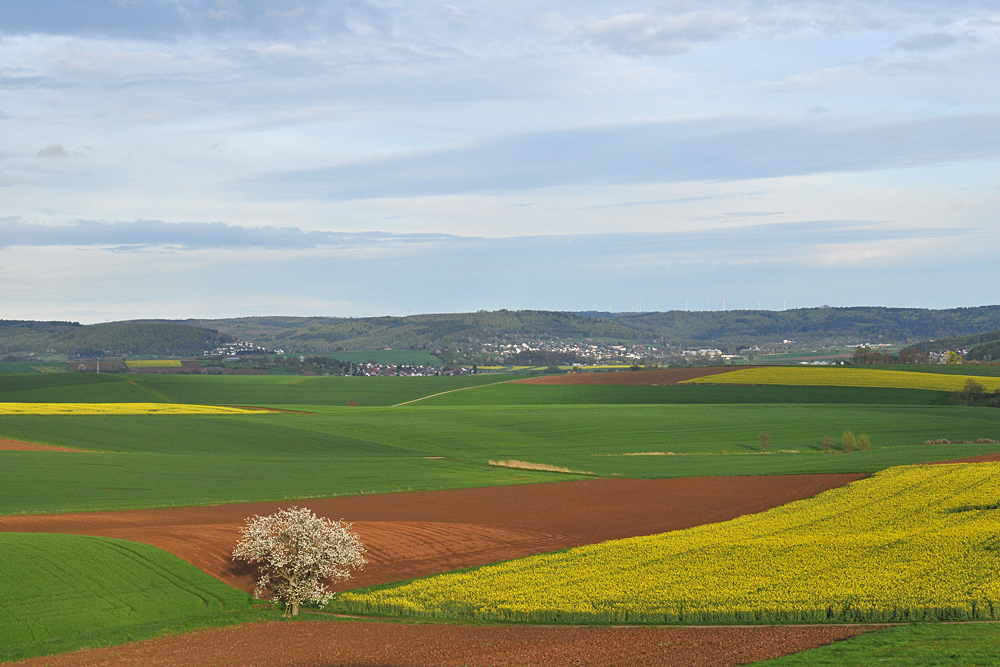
pixel 295 551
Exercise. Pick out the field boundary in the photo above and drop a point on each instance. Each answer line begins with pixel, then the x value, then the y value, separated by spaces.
pixel 463 621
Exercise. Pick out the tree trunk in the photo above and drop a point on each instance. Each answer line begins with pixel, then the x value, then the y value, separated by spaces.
pixel 295 609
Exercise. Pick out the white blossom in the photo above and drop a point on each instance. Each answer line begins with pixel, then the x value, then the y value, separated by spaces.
pixel 295 551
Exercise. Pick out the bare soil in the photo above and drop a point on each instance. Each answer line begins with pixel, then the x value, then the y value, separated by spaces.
pixel 982 458
pixel 655 378
pixel 19 446
pixel 365 644
pixel 421 533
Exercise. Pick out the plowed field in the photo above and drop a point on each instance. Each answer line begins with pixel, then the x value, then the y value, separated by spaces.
pixel 421 533
pixel 982 458
pixel 634 378
pixel 356 644
pixel 19 446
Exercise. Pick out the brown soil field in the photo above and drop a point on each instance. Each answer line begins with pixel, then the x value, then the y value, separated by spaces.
pixel 19 446
pixel 982 458
pixel 366 644
pixel 635 378
pixel 421 533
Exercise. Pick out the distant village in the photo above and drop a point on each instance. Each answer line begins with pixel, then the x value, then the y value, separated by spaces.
pixel 248 358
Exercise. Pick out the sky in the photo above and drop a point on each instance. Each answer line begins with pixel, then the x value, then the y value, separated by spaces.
pixel 225 158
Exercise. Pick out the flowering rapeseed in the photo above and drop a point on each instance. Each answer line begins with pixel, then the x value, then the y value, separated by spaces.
pixel 845 377
pixel 912 542
pixel 117 409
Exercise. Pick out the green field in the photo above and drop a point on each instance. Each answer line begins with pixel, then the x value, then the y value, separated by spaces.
pixel 163 460
pixel 444 440
pixel 32 367
pixel 406 357
pixel 277 390
pixel 532 394
pixel 924 645
pixel 62 592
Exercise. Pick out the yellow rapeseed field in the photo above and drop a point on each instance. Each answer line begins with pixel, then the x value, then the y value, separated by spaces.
pixel 845 377
pixel 909 543
pixel 117 409
pixel 153 363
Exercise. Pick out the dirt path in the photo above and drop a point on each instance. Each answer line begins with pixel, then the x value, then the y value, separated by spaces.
pixel 635 378
pixel 20 446
pixel 421 533
pixel 359 644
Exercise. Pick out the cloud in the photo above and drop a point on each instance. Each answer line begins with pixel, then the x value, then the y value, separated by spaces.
pixel 226 10
pixel 148 18
pixel 56 150
pixel 143 234
pixel 931 41
pixel 642 34
pixel 645 153
pixel 169 20
pixel 809 263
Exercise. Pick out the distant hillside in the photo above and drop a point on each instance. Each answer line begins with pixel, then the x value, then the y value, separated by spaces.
pixel 733 328
pixel 982 347
pixel 806 326
pixel 319 334
pixel 112 339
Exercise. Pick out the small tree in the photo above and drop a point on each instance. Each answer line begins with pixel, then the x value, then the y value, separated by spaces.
pixel 864 443
pixel 764 440
pixel 850 442
pixel 295 551
pixel 827 443
pixel 970 394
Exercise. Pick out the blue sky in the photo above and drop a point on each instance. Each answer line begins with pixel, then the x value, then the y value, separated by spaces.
pixel 213 158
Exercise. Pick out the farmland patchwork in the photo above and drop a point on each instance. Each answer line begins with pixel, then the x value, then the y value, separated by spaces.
pixel 910 543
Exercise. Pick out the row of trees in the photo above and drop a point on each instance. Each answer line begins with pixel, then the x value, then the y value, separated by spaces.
pixel 866 356
pixel 974 393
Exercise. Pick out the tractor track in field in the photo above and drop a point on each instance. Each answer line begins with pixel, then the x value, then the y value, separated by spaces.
pixel 451 391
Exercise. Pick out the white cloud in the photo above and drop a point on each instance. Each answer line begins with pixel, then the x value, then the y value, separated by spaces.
pixel 646 34
pixel 225 10
pixel 930 41
pixel 447 115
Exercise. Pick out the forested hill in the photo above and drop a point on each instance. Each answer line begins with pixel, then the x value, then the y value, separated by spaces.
pixel 112 339
pixel 806 325
pixel 315 334
pixel 459 330
pixel 863 324
pixel 981 347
